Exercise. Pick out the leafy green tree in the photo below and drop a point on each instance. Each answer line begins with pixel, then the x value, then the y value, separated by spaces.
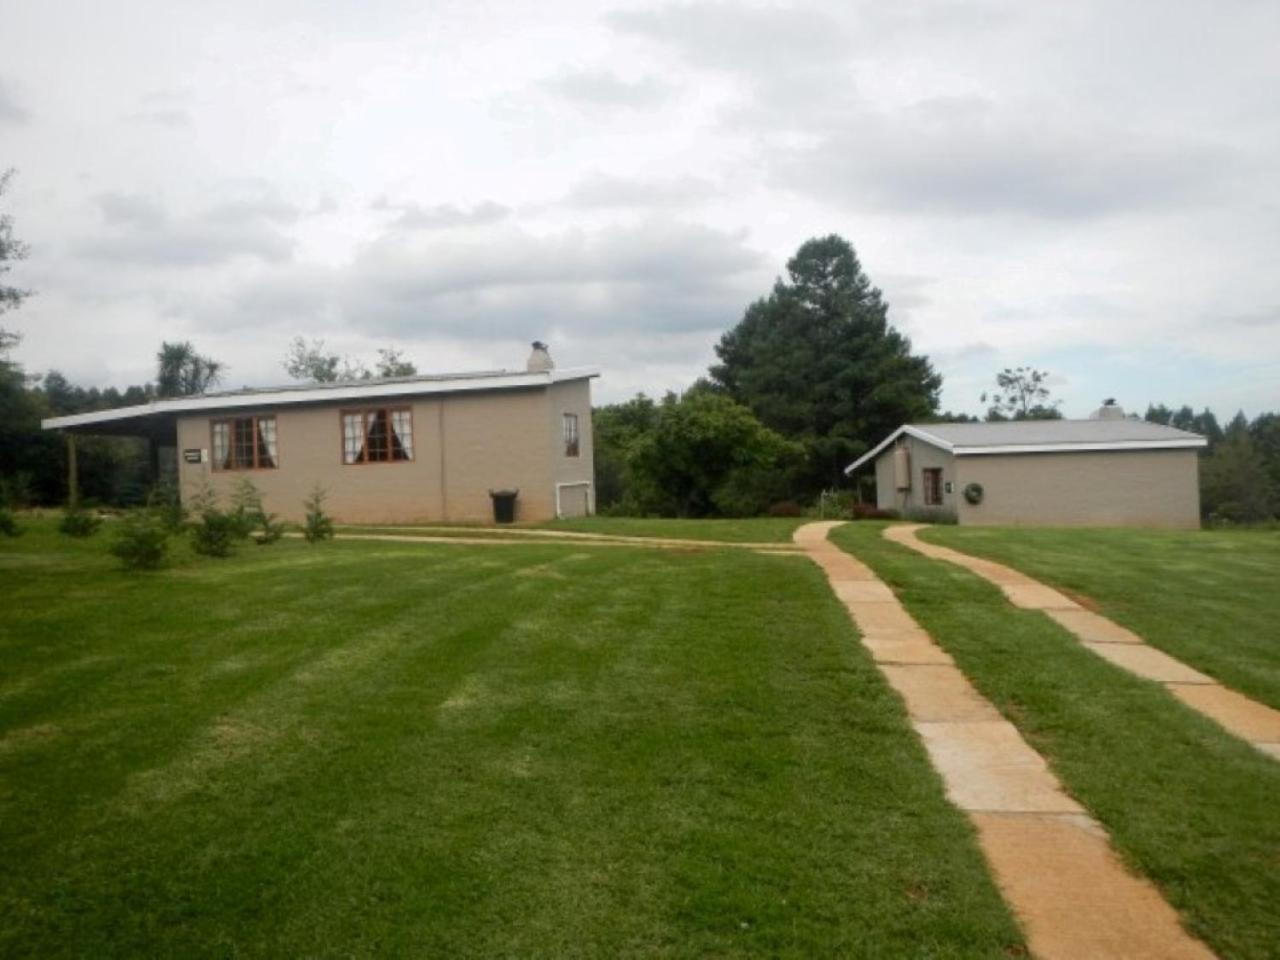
pixel 707 455
pixel 392 363
pixel 1184 418
pixel 10 249
pixel 1022 394
pixel 818 362
pixel 26 453
pixel 615 429
pixel 1235 485
pixel 1264 432
pixel 183 372
pixel 310 360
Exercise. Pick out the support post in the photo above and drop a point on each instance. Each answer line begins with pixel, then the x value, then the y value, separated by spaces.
pixel 73 479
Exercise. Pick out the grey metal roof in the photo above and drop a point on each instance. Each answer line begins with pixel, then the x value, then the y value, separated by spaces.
pixel 1039 436
pixel 127 419
pixel 1022 432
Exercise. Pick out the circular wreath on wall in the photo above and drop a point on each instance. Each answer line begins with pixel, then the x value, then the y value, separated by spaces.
pixel 973 493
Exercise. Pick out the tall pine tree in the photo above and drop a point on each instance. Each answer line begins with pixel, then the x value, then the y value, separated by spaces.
pixel 818 362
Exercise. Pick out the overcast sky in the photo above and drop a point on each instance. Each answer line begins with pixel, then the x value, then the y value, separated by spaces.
pixel 1089 187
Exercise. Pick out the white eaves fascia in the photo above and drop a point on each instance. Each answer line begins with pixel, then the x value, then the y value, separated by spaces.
pixel 911 431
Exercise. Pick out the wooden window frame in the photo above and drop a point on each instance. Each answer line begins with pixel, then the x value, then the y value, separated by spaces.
pixel 574 450
pixel 363 412
pixel 231 444
pixel 931 486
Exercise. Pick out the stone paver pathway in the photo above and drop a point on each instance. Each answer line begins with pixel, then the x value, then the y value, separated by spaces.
pixel 1052 861
pixel 1247 719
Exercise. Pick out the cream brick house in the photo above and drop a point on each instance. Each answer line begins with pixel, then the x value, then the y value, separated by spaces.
pixel 1109 470
pixel 400 450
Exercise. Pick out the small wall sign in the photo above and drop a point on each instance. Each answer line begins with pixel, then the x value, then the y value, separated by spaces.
pixel 193 456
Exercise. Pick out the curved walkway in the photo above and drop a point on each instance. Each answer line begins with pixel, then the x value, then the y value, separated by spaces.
pixel 1247 719
pixel 1053 861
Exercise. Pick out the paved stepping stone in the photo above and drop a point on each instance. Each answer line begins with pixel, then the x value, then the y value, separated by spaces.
pixel 1093 628
pixel 987 766
pixel 1235 711
pixel 938 692
pixel 1071 890
pixel 1036 596
pixel 1148 662
pixel 1247 719
pixel 863 591
pixel 906 647
pixel 1052 861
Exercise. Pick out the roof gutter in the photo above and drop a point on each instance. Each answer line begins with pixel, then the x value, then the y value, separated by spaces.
pixel 1083 446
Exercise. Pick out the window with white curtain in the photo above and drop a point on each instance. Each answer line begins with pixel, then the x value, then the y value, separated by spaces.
pixel 245 443
pixel 378 435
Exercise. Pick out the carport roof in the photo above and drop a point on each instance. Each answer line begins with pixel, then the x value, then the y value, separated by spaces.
pixel 1039 436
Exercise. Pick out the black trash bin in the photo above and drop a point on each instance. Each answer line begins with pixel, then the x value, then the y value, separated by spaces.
pixel 504 505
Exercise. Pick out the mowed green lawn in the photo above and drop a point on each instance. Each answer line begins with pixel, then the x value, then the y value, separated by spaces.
pixel 1187 804
pixel 364 749
pixel 1211 598
pixel 756 530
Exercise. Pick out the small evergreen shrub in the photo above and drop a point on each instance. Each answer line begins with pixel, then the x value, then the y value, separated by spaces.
pixel 78 522
pixel 318 525
pixel 9 523
pixel 16 490
pixel 270 529
pixel 215 533
pixel 141 542
pixel 165 504
pixel 246 507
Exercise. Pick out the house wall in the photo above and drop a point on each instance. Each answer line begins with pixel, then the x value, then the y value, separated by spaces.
pixel 1150 488
pixel 574 476
pixel 923 456
pixel 464 446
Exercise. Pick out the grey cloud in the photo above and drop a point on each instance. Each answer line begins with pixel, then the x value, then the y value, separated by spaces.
pixel 603 88
pixel 443 216
pixel 958 157
pixel 602 191
pixel 791 63
pixel 1256 320
pixel 978 350
pixel 739 38
pixel 649 280
pixel 131 209
pixel 172 118
pixel 10 111
pixel 263 208
pixel 144 233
